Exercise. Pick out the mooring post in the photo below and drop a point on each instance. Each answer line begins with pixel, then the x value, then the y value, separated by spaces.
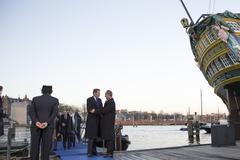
pixel 190 127
pixel 9 139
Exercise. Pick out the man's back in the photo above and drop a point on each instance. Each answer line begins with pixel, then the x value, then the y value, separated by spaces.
pixel 44 109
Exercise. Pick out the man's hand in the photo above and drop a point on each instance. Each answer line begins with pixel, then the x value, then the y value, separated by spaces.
pixel 44 125
pixel 92 111
pixel 38 124
pixel 41 125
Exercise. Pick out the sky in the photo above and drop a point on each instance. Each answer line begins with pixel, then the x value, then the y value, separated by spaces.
pixel 136 48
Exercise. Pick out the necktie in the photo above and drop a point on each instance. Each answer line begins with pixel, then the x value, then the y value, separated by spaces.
pixel 97 103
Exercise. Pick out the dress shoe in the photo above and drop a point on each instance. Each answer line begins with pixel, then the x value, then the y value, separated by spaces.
pixel 108 155
pixel 95 153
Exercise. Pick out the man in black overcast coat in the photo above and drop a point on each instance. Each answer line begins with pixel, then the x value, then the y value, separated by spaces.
pixel 1 113
pixel 107 122
pixel 43 112
pixel 93 122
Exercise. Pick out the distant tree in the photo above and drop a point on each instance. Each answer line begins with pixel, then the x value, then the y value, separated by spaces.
pixel 154 115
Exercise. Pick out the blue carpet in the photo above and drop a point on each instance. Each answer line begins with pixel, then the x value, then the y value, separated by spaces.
pixel 79 152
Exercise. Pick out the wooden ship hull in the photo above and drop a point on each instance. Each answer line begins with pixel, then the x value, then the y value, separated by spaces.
pixel 215 42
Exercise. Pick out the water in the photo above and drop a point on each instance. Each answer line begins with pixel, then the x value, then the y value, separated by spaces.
pixel 21 134
pixel 144 137
pixel 147 137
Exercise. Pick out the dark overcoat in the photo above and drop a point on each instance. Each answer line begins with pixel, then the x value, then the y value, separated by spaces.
pixel 1 118
pixel 78 121
pixel 44 109
pixel 93 120
pixel 67 128
pixel 108 119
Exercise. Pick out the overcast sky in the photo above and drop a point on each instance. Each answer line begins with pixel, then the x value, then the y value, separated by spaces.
pixel 136 48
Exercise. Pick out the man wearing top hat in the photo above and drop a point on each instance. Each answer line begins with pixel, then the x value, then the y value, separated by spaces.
pixel 42 112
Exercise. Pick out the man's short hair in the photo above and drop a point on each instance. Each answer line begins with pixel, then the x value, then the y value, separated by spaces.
pixel 47 90
pixel 96 90
pixel 108 92
pixel 1 88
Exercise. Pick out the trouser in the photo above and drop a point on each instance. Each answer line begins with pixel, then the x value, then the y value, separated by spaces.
pixel 110 146
pixel 71 139
pixel 65 140
pixel 78 134
pixel 55 141
pixel 43 137
pixel 92 146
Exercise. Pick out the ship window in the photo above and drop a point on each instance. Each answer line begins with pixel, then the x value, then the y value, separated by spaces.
pixel 225 61
pixel 211 37
pixel 208 76
pixel 205 42
pixel 210 71
pixel 214 68
pixel 235 26
pixel 233 58
pixel 218 64
pixel 229 60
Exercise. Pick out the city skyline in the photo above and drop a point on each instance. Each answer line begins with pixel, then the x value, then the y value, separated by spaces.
pixel 138 49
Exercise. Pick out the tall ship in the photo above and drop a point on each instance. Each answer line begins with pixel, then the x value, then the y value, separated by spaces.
pixel 215 43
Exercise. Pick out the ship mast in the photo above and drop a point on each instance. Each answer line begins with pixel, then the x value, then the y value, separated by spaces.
pixel 185 8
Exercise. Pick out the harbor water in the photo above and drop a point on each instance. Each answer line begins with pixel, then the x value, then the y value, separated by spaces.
pixel 148 137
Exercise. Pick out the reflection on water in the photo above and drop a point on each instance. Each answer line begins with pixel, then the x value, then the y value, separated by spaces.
pixel 146 137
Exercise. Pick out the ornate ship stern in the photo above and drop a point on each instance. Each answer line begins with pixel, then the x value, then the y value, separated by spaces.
pixel 215 42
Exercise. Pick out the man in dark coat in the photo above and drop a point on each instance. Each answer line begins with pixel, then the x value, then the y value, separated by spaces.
pixel 71 133
pixel 42 112
pixel 56 131
pixel 1 113
pixel 93 122
pixel 107 122
pixel 65 129
pixel 78 121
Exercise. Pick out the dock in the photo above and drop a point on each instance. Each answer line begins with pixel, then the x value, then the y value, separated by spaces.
pixel 79 152
pixel 195 152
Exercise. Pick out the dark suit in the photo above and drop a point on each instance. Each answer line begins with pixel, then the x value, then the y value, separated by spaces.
pixel 78 121
pixel 107 123
pixel 93 124
pixel 71 133
pixel 66 129
pixel 1 118
pixel 43 109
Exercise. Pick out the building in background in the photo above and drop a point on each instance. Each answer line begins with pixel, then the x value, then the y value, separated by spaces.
pixel 19 112
pixel 17 108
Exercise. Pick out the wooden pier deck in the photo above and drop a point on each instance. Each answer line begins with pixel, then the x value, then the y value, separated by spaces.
pixel 200 152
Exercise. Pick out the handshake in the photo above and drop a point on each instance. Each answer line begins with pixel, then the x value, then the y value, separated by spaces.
pixel 92 111
pixel 41 125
